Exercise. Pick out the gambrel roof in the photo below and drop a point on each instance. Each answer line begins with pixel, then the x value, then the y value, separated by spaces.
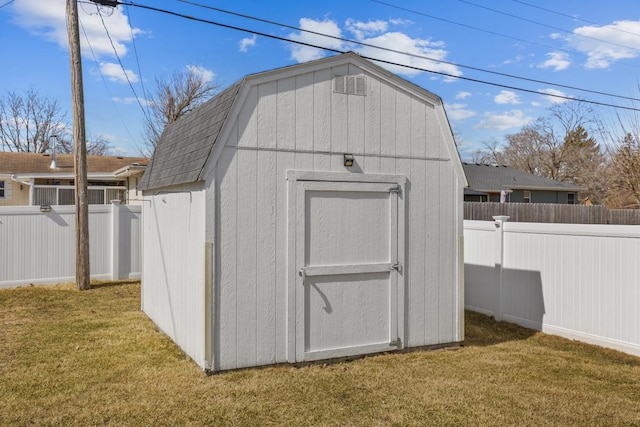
pixel 486 178
pixel 186 146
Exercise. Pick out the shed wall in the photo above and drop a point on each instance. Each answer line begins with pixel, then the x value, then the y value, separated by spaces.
pixel 299 123
pixel 174 264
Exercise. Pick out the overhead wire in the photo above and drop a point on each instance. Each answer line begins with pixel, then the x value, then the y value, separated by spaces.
pixel 7 3
pixel 135 52
pixel 437 18
pixel 441 61
pixel 124 71
pixel 576 18
pixel 511 15
pixel 263 34
pixel 104 81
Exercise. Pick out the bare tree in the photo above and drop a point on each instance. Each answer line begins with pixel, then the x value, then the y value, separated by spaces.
pixel 173 98
pixel 28 121
pixel 559 146
pixel 624 174
pixel 96 145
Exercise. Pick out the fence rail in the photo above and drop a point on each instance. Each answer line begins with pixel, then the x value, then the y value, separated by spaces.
pixel 551 213
pixel 39 247
pixel 573 280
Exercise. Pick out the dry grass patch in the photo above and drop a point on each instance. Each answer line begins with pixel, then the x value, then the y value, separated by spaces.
pixel 92 358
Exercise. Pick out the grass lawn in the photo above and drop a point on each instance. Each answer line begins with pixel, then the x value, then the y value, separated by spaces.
pixel 93 358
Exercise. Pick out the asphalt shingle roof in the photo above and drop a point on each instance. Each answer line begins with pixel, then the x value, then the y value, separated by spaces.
pixel 38 163
pixel 185 145
pixel 495 178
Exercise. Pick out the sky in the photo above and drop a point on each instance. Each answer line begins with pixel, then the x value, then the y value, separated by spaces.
pixel 468 52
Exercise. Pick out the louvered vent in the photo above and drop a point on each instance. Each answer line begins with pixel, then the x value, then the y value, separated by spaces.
pixel 350 85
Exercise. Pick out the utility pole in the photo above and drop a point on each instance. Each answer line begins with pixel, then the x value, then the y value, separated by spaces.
pixel 83 275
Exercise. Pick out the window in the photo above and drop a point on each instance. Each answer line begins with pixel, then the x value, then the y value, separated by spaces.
pixel 526 196
pixel 1 189
pixel 571 198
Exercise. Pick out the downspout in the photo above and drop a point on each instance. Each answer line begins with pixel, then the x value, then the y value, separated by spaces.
pixel 19 181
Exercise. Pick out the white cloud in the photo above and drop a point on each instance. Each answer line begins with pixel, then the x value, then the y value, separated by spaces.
pixel 303 53
pixel 555 36
pixel 608 44
pixel 207 75
pixel 513 61
pixel 130 100
pixel 247 42
pixel 557 60
pixel 463 95
pixel 362 30
pixel 419 47
pixel 459 112
pixel 509 120
pixel 554 98
pixel 400 21
pixel 115 73
pixel 374 33
pixel 507 97
pixel 47 19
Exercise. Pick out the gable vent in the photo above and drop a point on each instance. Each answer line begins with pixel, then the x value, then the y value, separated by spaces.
pixel 350 85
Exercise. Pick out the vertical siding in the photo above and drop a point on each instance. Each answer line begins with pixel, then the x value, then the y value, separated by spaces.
pixel 390 132
pixel 39 247
pixel 577 281
pixel 174 231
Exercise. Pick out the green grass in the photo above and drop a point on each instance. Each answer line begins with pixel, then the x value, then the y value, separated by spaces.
pixel 93 358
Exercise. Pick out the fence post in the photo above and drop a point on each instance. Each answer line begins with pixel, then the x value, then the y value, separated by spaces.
pixel 499 260
pixel 115 239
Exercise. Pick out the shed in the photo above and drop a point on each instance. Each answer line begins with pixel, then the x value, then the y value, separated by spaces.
pixel 263 244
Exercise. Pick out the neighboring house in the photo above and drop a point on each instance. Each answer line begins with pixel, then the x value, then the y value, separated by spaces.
pixel 306 213
pixel 33 179
pixel 497 183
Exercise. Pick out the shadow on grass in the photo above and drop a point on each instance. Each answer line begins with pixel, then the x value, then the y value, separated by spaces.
pixel 112 283
pixel 482 330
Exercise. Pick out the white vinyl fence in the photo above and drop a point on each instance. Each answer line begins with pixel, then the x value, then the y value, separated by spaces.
pixel 39 247
pixel 578 281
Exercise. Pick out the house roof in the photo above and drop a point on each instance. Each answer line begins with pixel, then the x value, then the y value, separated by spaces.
pixel 495 178
pixel 186 145
pixel 26 164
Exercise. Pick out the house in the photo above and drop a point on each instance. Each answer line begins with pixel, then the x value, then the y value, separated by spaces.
pixel 498 183
pixel 306 213
pixel 28 179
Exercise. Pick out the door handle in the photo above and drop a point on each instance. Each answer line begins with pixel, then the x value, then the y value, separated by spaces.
pixel 303 273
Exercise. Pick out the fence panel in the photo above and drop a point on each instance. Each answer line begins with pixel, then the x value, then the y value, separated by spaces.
pixel 39 247
pixel 576 281
pixel 551 213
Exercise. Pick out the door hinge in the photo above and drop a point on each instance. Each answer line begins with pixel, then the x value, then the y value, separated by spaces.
pixel 397 189
pixel 396 343
pixel 397 266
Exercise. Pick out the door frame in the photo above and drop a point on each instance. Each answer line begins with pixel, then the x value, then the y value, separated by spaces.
pixel 294 281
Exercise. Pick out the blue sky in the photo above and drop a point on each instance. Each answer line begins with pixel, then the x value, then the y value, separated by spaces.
pixel 588 44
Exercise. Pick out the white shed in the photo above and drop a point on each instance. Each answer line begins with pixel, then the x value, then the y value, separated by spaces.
pixel 262 245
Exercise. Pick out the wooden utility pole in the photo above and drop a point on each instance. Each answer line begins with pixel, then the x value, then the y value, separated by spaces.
pixel 83 274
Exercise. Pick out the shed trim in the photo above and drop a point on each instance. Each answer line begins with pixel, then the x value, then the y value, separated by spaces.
pixel 296 175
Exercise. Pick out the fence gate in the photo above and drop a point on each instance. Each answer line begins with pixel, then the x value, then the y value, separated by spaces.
pixel 347 269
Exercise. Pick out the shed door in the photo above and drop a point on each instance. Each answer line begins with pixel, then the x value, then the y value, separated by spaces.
pixel 347 269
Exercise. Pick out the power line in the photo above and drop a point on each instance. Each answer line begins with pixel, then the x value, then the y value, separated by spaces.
pixel 7 3
pixel 104 81
pixel 492 32
pixel 566 15
pixel 545 25
pixel 245 30
pixel 124 71
pixel 407 53
pixel 135 52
